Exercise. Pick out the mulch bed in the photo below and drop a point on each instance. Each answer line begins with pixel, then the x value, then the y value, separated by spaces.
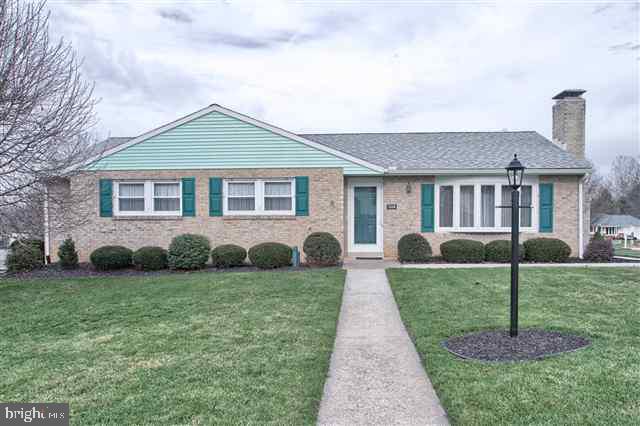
pixel 498 346
pixel 440 260
pixel 86 270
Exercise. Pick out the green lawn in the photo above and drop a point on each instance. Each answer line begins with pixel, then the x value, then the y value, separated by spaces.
pixel 619 250
pixel 599 385
pixel 197 348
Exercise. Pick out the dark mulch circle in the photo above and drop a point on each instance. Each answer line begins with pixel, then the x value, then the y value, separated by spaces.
pixel 498 346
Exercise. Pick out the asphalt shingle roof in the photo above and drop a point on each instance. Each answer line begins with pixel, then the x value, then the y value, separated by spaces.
pixel 615 220
pixel 451 150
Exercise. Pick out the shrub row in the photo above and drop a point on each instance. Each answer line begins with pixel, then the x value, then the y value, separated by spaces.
pixel 415 248
pixel 191 252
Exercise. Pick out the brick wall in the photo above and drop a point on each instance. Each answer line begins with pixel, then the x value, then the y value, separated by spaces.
pixel 406 218
pixel 325 213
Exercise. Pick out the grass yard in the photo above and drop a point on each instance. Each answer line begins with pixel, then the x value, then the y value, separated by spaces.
pixel 619 250
pixel 198 348
pixel 594 386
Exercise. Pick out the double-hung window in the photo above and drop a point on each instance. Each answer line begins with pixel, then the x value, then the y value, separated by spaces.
pixel 131 197
pixel 472 204
pixel 147 198
pixel 259 197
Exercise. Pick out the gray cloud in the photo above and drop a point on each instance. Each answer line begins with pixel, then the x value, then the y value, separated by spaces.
pixel 603 7
pixel 624 46
pixel 175 15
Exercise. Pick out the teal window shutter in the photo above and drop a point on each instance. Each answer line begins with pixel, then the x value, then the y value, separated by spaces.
pixel 215 196
pixel 188 196
pixel 546 207
pixel 106 198
pixel 302 196
pixel 427 208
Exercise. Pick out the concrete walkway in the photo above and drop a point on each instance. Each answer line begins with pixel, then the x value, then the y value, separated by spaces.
pixel 375 375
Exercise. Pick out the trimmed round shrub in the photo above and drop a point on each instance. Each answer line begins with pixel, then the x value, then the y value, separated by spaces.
pixel 462 251
pixel 189 251
pixel 599 250
pixel 413 248
pixel 546 250
pixel 322 249
pixel 68 255
pixel 500 251
pixel 270 255
pixel 228 255
pixel 150 258
pixel 109 258
pixel 24 257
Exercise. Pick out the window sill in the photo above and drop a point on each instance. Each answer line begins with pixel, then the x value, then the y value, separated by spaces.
pixel 258 217
pixel 147 218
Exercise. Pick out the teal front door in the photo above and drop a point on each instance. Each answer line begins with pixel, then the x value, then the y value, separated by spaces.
pixel 364 221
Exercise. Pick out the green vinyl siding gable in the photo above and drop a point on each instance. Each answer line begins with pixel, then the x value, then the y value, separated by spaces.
pixel 219 141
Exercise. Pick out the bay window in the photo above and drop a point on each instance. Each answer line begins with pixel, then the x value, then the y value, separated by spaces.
pixel 446 206
pixel 259 197
pixel 488 216
pixel 466 206
pixel 470 204
pixel 147 198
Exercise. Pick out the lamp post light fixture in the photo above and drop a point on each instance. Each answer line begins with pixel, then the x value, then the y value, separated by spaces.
pixel 515 173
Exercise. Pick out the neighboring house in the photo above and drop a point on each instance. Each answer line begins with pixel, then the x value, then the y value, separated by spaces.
pixel 615 224
pixel 239 180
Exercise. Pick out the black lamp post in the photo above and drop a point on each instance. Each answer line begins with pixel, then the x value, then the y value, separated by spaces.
pixel 515 173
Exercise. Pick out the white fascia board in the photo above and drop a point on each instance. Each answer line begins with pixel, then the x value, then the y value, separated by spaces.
pixel 237 115
pixel 432 172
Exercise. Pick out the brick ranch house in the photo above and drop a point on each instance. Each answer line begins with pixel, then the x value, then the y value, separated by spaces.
pixel 238 180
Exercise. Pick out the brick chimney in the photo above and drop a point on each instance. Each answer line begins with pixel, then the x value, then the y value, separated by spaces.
pixel 568 121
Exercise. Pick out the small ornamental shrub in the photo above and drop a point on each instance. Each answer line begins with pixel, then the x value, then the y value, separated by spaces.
pixel 599 250
pixel 150 258
pixel 68 255
pixel 462 251
pixel 322 249
pixel 189 251
pixel 270 255
pixel 546 250
pixel 24 257
pixel 597 236
pixel 228 255
pixel 33 242
pixel 500 251
pixel 109 258
pixel 413 248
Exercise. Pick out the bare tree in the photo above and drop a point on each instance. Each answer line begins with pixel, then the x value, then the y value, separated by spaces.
pixel 46 109
pixel 625 175
pixel 618 193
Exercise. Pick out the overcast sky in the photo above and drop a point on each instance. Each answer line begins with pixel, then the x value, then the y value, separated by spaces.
pixel 362 66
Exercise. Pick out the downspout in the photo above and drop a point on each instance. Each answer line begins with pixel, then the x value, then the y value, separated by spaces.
pixel 47 250
pixel 580 219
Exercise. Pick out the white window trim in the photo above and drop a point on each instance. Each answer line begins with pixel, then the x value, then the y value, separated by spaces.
pixel 148 199
pixel 259 198
pixel 478 182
